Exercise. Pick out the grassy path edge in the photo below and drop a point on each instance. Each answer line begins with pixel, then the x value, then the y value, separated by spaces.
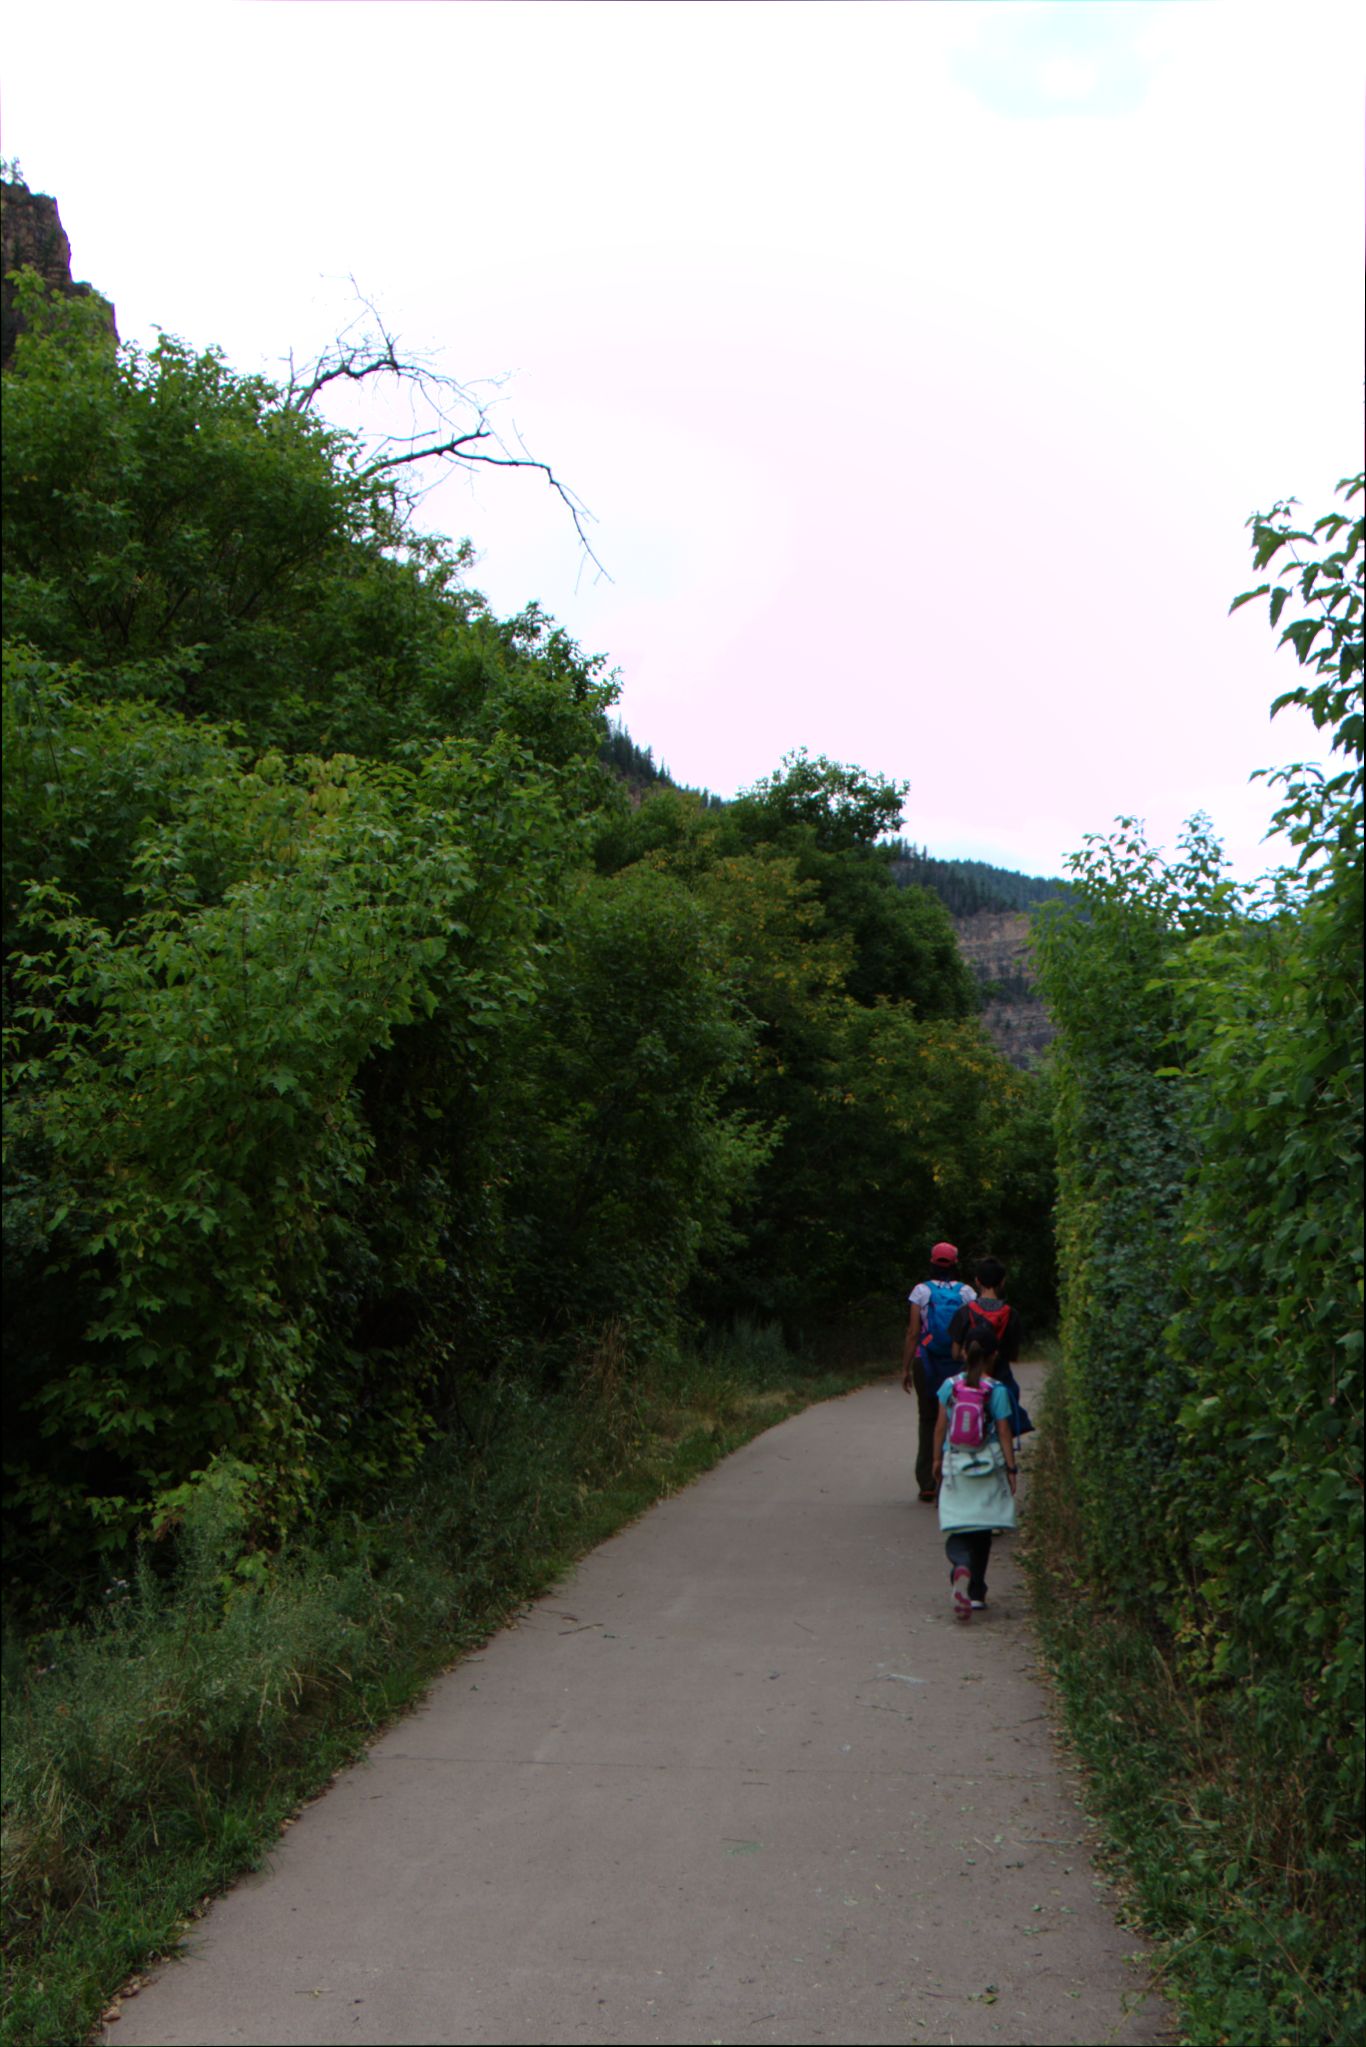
pixel 153 1756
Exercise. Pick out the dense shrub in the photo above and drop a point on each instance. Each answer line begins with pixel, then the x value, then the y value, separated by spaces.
pixel 1209 1107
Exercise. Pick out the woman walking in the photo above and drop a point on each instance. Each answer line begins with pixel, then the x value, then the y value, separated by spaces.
pixel 974 1468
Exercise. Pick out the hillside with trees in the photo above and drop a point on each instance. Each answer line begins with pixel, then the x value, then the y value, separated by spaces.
pixel 367 1043
pixel 967 888
pixel 991 908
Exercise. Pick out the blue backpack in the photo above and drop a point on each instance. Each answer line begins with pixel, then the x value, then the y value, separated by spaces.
pixel 935 1348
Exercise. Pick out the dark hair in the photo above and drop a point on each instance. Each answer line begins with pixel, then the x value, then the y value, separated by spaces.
pixel 990 1271
pixel 979 1352
pixel 943 1265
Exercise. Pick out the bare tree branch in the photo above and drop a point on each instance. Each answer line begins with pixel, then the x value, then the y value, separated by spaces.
pixel 366 350
pixel 452 447
pixel 577 511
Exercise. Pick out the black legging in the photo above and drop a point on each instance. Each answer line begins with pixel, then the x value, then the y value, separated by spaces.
pixel 969 1549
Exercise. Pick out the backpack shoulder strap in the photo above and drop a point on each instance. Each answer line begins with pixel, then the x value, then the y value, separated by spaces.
pixel 996 1319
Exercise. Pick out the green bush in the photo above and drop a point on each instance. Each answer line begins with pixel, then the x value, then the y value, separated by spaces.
pixel 1209 1110
pixel 1189 1809
pixel 193 1120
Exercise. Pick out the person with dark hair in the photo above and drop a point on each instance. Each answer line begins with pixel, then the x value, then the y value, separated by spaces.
pixel 975 1469
pixel 991 1310
pixel 927 1357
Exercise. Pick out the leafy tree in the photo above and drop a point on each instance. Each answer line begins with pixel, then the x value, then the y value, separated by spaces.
pixel 255 996
pixel 843 809
pixel 837 965
pixel 630 1161
pixel 829 819
pixel 186 534
pixel 187 1137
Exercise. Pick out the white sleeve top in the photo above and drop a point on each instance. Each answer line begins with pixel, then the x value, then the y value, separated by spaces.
pixel 919 1295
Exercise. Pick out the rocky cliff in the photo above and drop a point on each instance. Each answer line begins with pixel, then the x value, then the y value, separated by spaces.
pixel 32 236
pixel 995 944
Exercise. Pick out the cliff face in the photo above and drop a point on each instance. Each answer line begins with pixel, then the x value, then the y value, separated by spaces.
pixel 32 236
pixel 995 944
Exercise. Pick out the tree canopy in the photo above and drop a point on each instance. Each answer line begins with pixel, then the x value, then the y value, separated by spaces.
pixel 364 1038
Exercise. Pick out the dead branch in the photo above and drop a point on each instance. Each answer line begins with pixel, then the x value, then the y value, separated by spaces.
pixel 375 352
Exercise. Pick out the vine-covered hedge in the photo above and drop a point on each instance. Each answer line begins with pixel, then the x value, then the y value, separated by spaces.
pixel 1209 1105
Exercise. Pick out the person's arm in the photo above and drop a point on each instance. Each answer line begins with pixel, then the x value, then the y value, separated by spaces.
pixel 1003 1433
pixel 908 1353
pixel 941 1429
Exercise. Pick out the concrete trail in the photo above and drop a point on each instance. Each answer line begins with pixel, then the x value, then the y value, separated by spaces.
pixel 742 1778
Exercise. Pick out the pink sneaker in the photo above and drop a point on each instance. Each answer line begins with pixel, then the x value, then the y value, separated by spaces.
pixel 962 1604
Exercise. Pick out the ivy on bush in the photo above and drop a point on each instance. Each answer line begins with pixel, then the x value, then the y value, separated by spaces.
pixel 1209 1109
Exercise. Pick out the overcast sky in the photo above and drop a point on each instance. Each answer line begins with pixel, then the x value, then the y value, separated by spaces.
pixel 920 363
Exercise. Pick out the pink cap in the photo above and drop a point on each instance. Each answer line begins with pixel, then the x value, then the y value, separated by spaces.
pixel 944 1254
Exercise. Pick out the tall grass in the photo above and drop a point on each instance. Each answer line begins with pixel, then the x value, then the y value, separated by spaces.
pixel 1260 1943
pixel 153 1750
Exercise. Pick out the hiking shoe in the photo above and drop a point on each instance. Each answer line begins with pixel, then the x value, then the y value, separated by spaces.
pixel 977 1605
pixel 962 1604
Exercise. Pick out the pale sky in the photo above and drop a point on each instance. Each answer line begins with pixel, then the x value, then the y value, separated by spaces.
pixel 920 363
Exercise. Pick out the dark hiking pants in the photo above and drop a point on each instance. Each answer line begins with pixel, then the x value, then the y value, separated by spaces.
pixel 968 1550
pixel 928 1405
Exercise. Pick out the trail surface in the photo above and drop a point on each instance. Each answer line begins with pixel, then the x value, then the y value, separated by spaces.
pixel 742 1778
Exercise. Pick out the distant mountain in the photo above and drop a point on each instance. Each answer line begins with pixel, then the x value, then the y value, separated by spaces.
pixel 995 945
pixel 990 907
pixel 640 771
pixel 967 887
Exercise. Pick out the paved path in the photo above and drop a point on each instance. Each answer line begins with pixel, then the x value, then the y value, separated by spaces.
pixel 741 1779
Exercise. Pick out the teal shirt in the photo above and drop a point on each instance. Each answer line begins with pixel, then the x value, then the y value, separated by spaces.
pixel 975 1496
pixel 998 1402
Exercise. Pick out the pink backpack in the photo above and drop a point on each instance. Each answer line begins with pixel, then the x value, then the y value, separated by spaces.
pixel 968 1413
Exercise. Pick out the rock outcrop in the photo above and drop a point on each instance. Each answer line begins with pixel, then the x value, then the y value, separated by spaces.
pixel 995 944
pixel 32 236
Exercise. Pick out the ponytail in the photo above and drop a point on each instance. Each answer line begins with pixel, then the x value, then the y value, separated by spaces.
pixel 978 1356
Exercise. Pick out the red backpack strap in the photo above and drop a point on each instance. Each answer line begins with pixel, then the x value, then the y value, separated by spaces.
pixel 997 1320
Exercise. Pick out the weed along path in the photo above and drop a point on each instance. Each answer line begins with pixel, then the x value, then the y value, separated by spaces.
pixel 742 1778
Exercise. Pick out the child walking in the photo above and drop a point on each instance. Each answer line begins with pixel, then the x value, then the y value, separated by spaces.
pixel 991 1308
pixel 974 1467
